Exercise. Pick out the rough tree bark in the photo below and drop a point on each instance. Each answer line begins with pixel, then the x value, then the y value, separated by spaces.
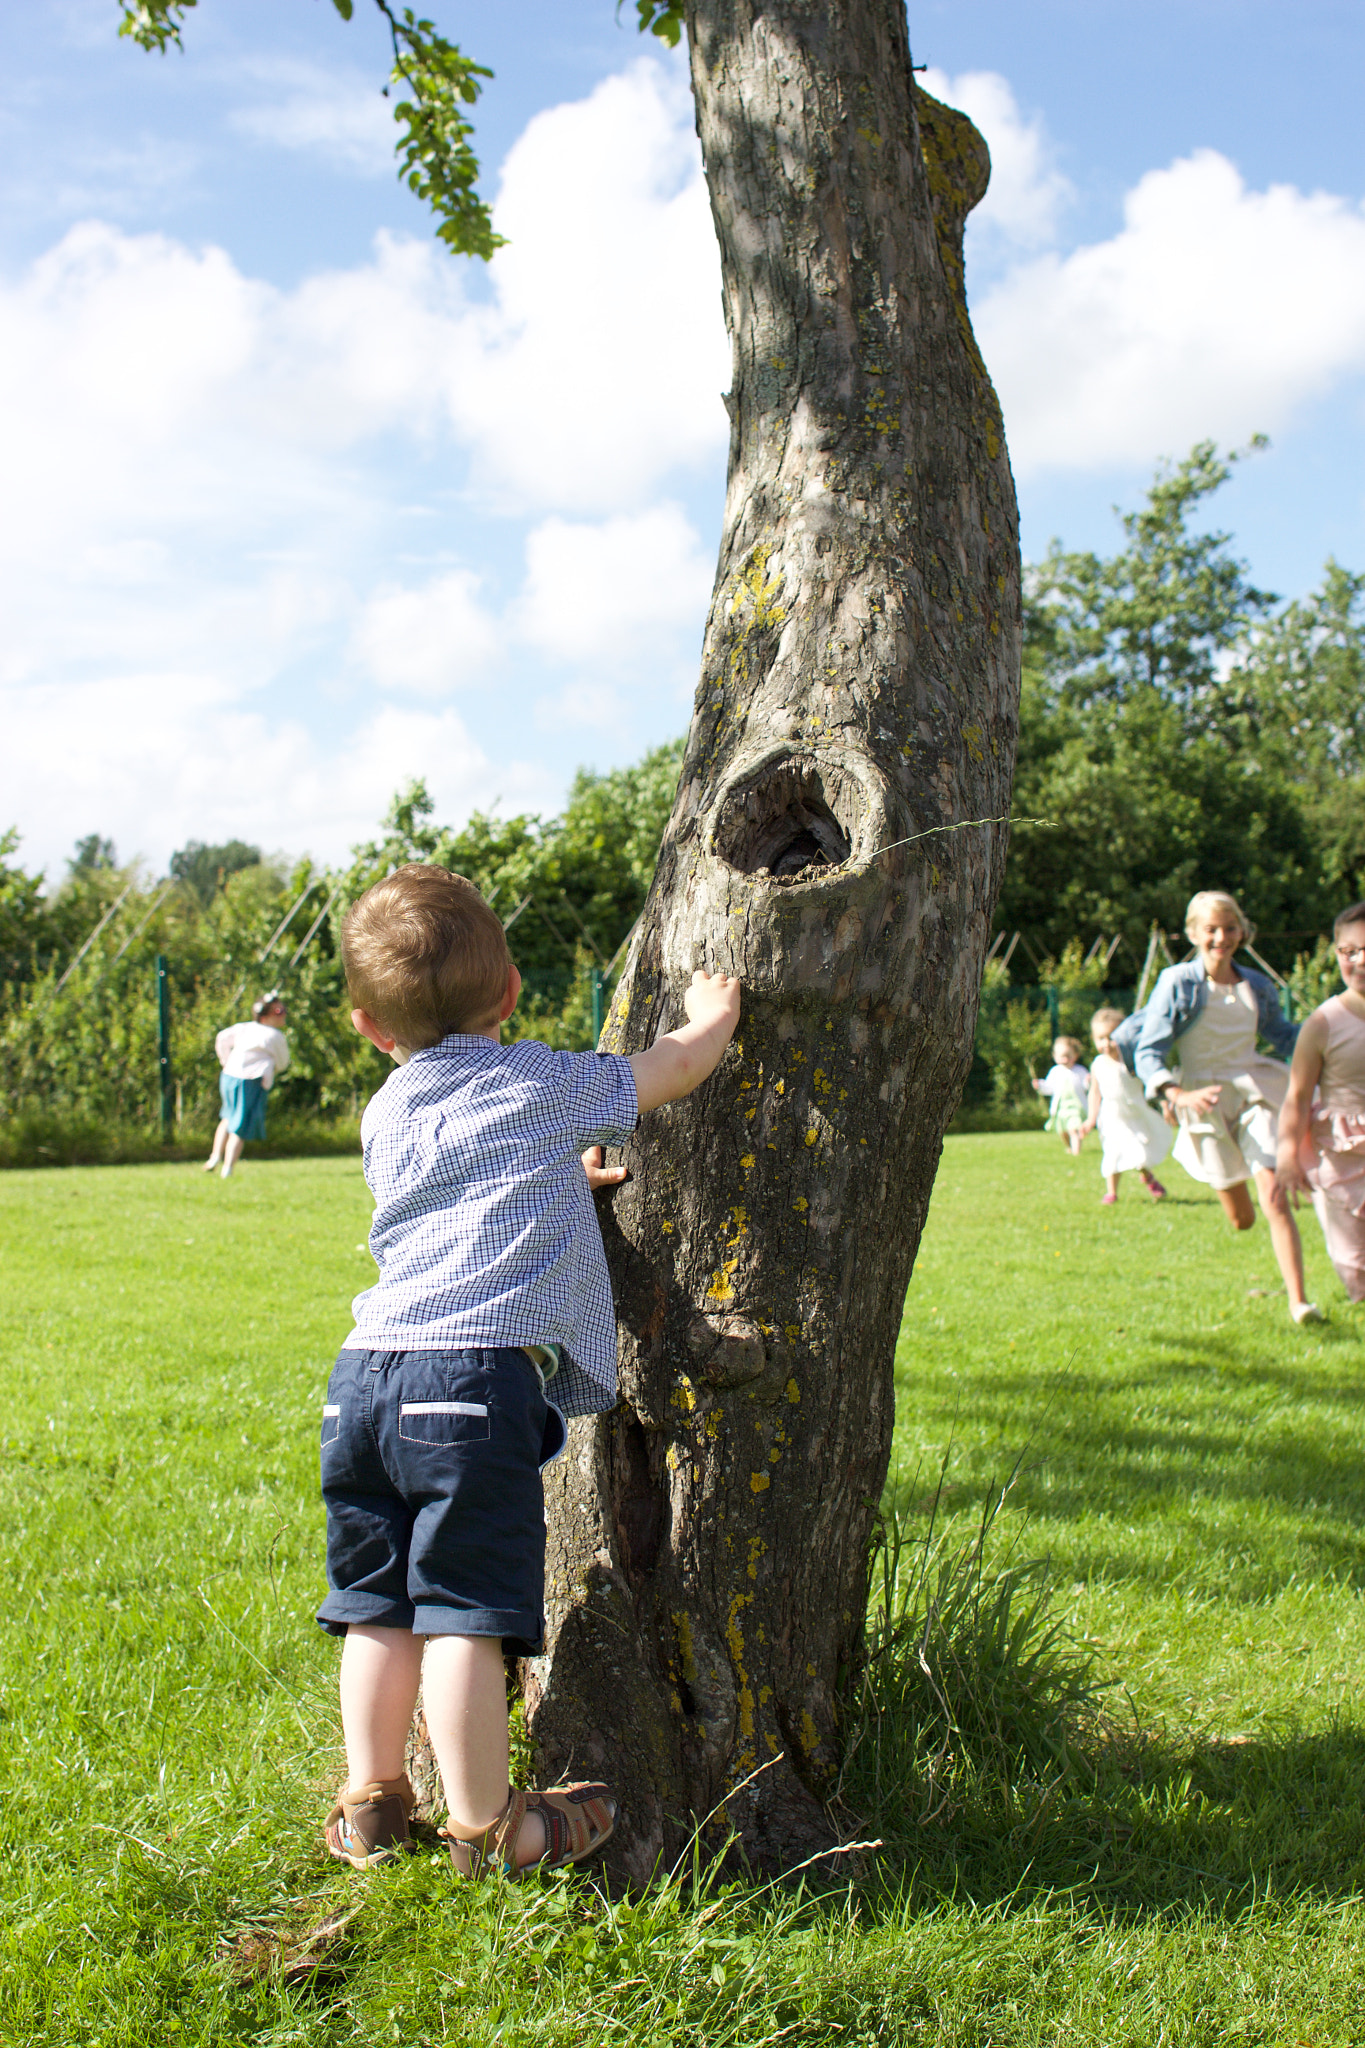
pixel 709 1539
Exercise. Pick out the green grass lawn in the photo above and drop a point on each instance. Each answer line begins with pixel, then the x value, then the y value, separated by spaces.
pixel 1193 1465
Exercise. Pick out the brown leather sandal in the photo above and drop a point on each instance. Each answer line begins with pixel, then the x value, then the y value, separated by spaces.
pixel 371 1826
pixel 578 1819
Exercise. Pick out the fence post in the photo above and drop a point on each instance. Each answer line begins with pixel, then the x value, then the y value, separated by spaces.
pixel 595 984
pixel 163 1018
pixel 1053 1011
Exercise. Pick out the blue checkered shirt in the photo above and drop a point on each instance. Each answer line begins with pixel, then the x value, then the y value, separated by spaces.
pixel 484 1228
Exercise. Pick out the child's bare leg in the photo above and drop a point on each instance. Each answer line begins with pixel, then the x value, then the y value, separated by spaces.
pixel 1111 1182
pixel 1284 1235
pixel 1237 1206
pixel 1075 1140
pixel 220 1138
pixel 381 1669
pixel 464 1698
pixel 232 1152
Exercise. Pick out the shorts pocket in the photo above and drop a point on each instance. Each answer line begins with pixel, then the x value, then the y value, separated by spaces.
pixel 331 1421
pixel 443 1422
pixel 554 1436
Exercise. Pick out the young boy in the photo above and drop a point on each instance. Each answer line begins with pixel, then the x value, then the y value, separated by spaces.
pixel 492 1279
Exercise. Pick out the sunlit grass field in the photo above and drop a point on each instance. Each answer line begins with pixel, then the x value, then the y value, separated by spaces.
pixel 1193 1465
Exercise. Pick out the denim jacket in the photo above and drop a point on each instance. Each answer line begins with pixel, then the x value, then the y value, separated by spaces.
pixel 1175 1002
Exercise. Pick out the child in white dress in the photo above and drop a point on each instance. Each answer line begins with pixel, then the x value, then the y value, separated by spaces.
pixel 1135 1137
pixel 1065 1083
pixel 1321 1148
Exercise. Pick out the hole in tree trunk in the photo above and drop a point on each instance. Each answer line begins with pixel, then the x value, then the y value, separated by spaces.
pixel 788 823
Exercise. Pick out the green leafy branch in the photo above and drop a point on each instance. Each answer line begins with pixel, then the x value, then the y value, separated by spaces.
pixel 153 24
pixel 436 156
pixel 437 159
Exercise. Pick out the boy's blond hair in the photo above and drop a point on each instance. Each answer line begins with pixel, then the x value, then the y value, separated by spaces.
pixel 425 956
pixel 1074 1043
pixel 1104 1020
pixel 1209 899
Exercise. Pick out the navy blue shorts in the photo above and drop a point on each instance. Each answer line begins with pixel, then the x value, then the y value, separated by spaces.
pixel 431 1467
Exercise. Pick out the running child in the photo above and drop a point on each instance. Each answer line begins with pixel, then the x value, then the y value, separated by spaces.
pixel 1322 1143
pixel 492 1284
pixel 1066 1083
pixel 1208 1012
pixel 252 1057
pixel 1134 1136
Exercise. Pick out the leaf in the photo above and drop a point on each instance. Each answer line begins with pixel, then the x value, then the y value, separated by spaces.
pixel 153 24
pixel 662 18
pixel 345 8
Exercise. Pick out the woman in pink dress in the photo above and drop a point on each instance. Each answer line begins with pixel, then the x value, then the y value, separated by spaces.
pixel 1321 1148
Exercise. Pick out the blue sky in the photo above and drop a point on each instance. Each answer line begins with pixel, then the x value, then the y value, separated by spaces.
pixel 297 506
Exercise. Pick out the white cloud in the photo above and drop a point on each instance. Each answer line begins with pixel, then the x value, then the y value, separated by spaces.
pixel 1215 312
pixel 1027 194
pixel 430 640
pixel 220 768
pixel 600 364
pixel 339 116
pixel 225 503
pixel 614 593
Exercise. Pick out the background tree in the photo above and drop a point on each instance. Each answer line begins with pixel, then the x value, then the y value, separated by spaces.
pixel 1178 727
pixel 205 869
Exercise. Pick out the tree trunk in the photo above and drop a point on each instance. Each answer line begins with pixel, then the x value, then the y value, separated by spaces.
pixel 708 1541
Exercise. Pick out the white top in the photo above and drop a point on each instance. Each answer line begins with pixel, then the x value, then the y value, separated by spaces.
pixel 1220 1045
pixel 1119 1090
pixel 1341 1087
pixel 252 1052
pixel 1059 1078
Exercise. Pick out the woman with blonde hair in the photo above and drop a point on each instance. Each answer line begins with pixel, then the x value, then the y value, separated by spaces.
pixel 1227 1095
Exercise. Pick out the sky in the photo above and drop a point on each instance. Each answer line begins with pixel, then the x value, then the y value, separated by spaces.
pixel 297 506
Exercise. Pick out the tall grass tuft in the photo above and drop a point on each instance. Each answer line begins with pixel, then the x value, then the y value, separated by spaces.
pixel 973 1688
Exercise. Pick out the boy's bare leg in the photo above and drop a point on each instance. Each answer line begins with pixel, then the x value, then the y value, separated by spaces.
pixel 381 1669
pixel 232 1152
pixel 220 1138
pixel 464 1698
pixel 1237 1206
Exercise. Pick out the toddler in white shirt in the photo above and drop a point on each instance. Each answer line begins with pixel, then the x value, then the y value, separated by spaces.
pixel 251 1055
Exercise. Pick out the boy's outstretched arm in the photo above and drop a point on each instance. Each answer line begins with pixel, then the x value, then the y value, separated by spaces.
pixel 681 1060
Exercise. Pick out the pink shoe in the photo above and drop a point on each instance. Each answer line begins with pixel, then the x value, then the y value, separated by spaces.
pixel 1155 1190
pixel 1107 1201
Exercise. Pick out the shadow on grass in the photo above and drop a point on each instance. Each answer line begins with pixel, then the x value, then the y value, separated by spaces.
pixel 997 1764
pixel 1195 1418
pixel 1148 1824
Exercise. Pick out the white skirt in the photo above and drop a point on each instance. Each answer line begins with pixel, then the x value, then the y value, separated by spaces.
pixel 1234 1140
pixel 1133 1136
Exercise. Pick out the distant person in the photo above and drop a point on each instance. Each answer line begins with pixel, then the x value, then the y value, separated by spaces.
pixel 1322 1142
pixel 492 1282
pixel 251 1056
pixel 1134 1136
pixel 1208 1014
pixel 1066 1083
